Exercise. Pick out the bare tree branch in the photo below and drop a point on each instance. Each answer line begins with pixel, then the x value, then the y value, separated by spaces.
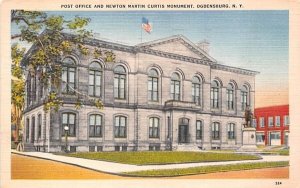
pixel 16 36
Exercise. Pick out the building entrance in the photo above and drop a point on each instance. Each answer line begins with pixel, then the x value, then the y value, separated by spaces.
pixel 183 130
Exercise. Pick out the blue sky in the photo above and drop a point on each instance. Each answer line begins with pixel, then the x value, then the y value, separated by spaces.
pixel 255 40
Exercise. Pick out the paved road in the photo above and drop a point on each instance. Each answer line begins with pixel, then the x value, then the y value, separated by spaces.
pixel 33 168
pixel 111 167
pixel 24 167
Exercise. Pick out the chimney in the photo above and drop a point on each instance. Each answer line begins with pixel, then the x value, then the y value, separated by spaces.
pixel 204 45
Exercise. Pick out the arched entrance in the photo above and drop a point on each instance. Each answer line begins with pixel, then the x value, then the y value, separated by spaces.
pixel 183 130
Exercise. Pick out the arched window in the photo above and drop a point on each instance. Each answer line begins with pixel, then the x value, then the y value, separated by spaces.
pixel 196 90
pixel 215 131
pixel 95 124
pixel 69 120
pixel 39 126
pixel 119 82
pixel 175 87
pixel 199 129
pixel 231 133
pixel 244 97
pixel 154 127
pixel 95 79
pixel 230 96
pixel 120 127
pixel 153 85
pixel 214 94
pixel 68 75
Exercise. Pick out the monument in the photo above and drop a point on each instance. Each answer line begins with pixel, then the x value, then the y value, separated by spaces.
pixel 248 132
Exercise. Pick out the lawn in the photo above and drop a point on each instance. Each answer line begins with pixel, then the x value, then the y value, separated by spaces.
pixel 206 169
pixel 161 157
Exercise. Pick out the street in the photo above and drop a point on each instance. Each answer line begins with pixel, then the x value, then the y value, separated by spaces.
pixel 24 167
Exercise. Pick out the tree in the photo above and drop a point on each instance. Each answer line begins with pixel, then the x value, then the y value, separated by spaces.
pixel 49 43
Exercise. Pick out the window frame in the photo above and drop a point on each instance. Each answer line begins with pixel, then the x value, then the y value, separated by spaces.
pixel 68 68
pixel 117 128
pixel 286 120
pixel 95 126
pixel 196 86
pixel 199 130
pixel 39 132
pixel 175 86
pixel 230 96
pixel 277 118
pixel 262 122
pixel 269 122
pixel 214 95
pixel 154 80
pixel 231 131
pixel 95 72
pixel 244 97
pixel 215 131
pixel 153 128
pixel 68 124
pixel 120 76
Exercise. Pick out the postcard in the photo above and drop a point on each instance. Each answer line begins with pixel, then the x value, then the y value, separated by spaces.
pixel 131 94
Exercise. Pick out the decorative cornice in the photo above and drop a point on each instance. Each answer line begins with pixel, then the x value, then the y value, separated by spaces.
pixel 234 69
pixel 174 56
pixel 144 48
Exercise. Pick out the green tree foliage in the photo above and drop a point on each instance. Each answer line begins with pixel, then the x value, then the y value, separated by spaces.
pixel 46 35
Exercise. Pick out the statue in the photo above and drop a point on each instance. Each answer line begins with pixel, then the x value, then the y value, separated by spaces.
pixel 248 117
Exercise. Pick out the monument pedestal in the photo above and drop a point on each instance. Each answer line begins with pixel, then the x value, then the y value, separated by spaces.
pixel 249 139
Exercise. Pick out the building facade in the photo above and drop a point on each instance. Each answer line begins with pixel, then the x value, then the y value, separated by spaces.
pixel 272 125
pixel 160 95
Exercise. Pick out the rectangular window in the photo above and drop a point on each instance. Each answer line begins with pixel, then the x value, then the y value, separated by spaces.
pixel 91 148
pixel 99 148
pixel 119 86
pixel 68 119
pixel 154 128
pixel 262 122
pixel 95 125
pixel 120 126
pixel 244 99
pixel 94 83
pixel 215 131
pixel 196 93
pixel 286 120
pixel 277 120
pixel 260 138
pixel 231 134
pixel 199 129
pixel 152 89
pixel 230 99
pixel 271 121
pixel 175 90
pixel 68 80
pixel 214 95
pixel 39 126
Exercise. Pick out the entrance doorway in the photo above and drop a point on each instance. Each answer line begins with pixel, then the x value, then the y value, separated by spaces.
pixel 183 130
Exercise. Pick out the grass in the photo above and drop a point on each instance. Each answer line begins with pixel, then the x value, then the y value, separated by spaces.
pixel 161 157
pixel 278 151
pixel 206 169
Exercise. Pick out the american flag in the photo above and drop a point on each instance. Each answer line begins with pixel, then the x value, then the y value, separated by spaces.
pixel 146 25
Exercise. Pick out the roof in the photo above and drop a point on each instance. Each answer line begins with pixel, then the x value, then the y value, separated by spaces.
pixel 145 48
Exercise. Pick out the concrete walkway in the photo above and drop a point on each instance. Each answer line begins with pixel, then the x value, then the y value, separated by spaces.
pixel 116 168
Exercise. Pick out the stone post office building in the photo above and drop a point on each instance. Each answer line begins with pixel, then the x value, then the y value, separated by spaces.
pixel 160 95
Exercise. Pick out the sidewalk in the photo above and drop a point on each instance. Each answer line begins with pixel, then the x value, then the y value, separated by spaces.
pixel 116 168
